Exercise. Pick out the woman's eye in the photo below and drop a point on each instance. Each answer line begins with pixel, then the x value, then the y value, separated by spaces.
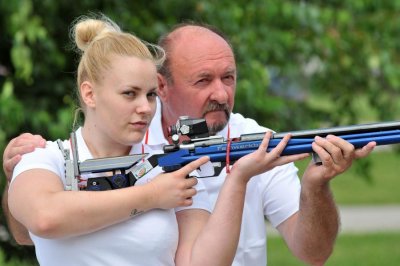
pixel 129 93
pixel 152 94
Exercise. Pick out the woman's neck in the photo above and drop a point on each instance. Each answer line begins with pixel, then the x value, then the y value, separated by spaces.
pixel 101 146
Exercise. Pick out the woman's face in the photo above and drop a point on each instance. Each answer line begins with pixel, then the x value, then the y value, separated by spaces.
pixel 125 99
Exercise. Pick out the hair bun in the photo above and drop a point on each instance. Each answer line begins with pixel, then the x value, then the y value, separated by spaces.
pixel 86 30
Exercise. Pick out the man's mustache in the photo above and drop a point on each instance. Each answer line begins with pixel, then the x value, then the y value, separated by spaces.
pixel 214 106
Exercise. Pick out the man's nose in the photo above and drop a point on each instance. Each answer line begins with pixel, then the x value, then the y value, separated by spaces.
pixel 220 92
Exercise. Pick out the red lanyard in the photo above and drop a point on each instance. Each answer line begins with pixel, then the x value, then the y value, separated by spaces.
pixel 228 150
pixel 146 141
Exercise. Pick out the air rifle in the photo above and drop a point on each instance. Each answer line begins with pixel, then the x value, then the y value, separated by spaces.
pixel 128 169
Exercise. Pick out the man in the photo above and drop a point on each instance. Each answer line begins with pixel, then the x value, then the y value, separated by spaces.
pixel 199 80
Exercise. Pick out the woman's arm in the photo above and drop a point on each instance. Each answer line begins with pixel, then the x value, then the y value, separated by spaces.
pixel 37 199
pixel 214 240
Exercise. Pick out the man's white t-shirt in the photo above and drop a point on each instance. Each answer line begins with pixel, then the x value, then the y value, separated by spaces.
pixel 274 194
pixel 150 238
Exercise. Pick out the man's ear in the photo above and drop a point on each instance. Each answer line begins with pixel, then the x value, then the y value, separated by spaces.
pixel 162 87
pixel 87 94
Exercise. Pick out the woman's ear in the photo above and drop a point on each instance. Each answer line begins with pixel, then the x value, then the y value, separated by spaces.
pixel 162 87
pixel 87 94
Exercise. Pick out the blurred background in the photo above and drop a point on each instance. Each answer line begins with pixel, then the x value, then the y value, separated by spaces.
pixel 301 65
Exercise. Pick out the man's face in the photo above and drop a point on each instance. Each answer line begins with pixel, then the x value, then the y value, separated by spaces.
pixel 204 81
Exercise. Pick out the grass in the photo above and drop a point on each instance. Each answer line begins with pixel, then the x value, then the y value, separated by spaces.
pixel 353 188
pixel 350 250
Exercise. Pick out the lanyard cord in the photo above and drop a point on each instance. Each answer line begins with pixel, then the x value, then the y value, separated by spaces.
pixel 228 150
pixel 146 141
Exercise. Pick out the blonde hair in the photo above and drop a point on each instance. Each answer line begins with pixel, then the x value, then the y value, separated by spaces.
pixel 98 39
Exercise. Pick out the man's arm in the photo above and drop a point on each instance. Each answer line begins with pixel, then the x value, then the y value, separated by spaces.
pixel 311 232
pixel 12 155
pixel 18 231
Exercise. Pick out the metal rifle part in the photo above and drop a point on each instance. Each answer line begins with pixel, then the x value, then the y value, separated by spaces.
pixel 70 181
pixel 323 132
pixel 74 168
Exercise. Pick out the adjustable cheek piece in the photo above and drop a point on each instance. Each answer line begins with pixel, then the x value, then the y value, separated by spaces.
pixel 117 165
pixel 116 181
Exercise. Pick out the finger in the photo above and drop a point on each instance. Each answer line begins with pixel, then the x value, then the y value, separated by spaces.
pixel 334 151
pixel 187 202
pixel 190 167
pixel 325 157
pixel 190 192
pixel 264 144
pixel 9 166
pixel 365 151
pixel 346 147
pixel 22 144
pixel 291 158
pixel 288 159
pixel 28 137
pixel 20 150
pixel 191 182
pixel 277 151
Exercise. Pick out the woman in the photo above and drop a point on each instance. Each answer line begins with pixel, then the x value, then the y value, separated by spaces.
pixel 117 85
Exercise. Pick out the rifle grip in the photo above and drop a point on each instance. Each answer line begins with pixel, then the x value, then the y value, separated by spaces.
pixel 316 159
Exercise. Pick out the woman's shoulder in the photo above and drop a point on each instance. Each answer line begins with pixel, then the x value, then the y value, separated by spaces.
pixel 50 158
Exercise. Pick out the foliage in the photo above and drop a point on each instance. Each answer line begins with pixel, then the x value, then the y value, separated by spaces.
pixel 301 64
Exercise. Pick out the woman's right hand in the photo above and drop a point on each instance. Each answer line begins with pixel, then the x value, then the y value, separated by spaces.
pixel 175 189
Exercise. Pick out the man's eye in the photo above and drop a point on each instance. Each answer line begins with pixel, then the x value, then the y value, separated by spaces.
pixel 201 81
pixel 229 79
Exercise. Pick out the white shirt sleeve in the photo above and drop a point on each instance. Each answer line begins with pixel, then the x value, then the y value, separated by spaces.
pixel 48 158
pixel 281 193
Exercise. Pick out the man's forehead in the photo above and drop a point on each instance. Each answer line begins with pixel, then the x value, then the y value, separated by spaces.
pixel 203 56
pixel 198 41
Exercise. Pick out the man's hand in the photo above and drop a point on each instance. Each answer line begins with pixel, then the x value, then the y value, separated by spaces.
pixel 311 232
pixel 336 155
pixel 18 146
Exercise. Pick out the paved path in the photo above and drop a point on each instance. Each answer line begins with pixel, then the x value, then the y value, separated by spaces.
pixel 362 219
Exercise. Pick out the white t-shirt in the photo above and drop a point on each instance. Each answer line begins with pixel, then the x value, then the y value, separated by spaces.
pixel 274 194
pixel 150 238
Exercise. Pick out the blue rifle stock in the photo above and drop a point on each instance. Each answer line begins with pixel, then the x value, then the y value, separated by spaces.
pixel 383 133
pixel 200 144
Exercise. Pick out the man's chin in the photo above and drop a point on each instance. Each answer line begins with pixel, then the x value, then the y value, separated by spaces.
pixel 215 126
pixel 216 121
